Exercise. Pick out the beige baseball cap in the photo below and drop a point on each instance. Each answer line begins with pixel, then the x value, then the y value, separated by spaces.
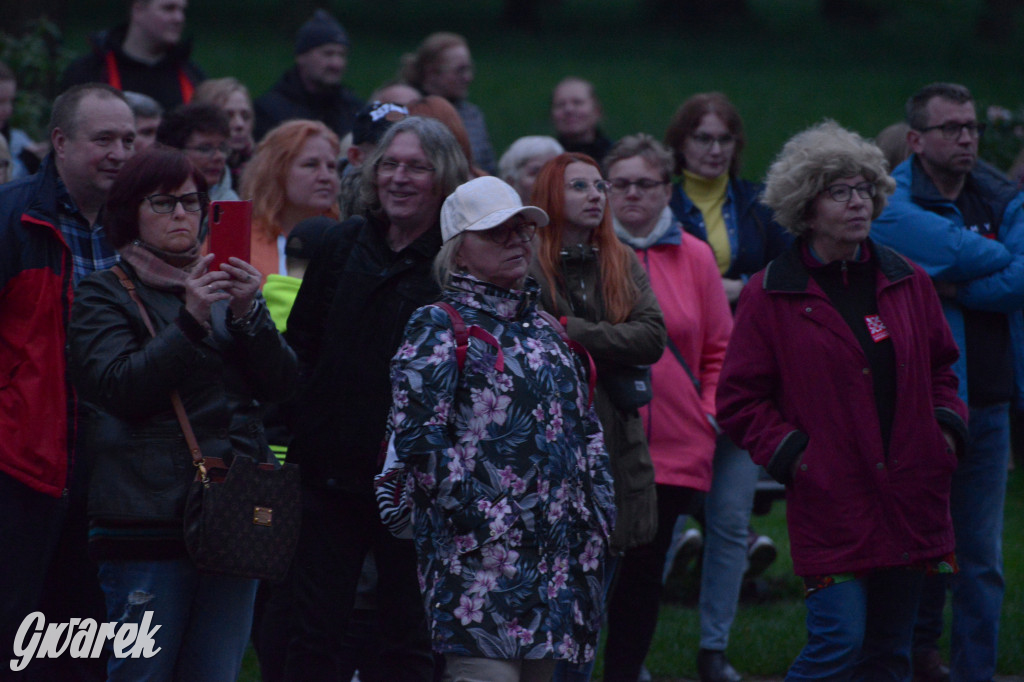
pixel 483 203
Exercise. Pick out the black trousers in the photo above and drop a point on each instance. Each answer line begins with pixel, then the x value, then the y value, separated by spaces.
pixel 636 595
pixel 338 529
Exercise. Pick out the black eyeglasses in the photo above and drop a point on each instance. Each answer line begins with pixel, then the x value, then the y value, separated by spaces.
pixel 209 149
pixel 502 234
pixel 621 185
pixel 582 186
pixel 842 192
pixel 165 203
pixel 951 131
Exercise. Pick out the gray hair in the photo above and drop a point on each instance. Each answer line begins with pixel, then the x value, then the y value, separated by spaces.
pixel 917 105
pixel 812 160
pixel 440 148
pixel 143 106
pixel 521 151
pixel 647 148
pixel 444 261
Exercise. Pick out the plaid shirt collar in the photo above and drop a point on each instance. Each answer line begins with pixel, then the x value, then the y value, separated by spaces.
pixel 90 250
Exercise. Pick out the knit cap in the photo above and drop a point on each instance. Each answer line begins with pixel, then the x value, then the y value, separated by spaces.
pixel 320 29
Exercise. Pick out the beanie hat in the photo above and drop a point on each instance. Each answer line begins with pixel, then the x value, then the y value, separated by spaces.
pixel 320 29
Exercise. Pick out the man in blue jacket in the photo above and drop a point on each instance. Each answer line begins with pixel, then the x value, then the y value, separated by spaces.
pixel 961 220
pixel 50 238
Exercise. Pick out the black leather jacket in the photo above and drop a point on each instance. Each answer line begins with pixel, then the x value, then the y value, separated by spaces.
pixel 141 465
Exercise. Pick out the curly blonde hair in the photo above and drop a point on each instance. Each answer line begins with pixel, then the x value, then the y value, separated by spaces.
pixel 811 161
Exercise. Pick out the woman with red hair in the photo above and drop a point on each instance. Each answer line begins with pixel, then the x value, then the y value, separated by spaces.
pixel 292 176
pixel 602 295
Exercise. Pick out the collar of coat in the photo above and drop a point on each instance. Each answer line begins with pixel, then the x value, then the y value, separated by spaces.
pixel 788 274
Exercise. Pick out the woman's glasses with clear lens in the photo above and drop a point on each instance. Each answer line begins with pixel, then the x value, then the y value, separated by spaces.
pixel 583 186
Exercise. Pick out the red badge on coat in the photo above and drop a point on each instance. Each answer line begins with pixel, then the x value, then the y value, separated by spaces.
pixel 876 328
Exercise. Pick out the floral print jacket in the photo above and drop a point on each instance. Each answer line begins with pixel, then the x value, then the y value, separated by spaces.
pixel 512 494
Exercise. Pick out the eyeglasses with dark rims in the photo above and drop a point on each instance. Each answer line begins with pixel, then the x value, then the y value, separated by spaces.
pixel 165 203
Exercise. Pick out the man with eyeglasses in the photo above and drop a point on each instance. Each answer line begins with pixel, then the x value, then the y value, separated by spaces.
pixel 961 220
pixel 202 132
pixel 51 237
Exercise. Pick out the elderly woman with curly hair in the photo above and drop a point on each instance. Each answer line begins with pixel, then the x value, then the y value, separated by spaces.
pixel 838 380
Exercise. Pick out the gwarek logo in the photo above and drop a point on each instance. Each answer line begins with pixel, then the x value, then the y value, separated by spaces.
pixel 81 638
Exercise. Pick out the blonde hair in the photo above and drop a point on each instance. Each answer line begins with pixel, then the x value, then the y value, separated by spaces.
pixel 812 160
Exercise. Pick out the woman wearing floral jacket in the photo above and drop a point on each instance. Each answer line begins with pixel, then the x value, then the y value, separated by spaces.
pixel 512 496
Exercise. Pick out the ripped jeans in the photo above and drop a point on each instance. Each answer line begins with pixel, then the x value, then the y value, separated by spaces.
pixel 204 619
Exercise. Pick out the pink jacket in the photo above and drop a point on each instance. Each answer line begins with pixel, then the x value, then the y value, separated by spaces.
pixel 679 421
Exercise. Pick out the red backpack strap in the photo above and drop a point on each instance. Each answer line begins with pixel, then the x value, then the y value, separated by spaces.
pixel 576 347
pixel 459 327
pixel 462 334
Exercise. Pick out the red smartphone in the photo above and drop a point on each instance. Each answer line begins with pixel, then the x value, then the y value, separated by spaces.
pixel 230 230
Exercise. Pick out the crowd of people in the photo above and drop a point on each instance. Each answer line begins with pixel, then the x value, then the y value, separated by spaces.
pixel 851 328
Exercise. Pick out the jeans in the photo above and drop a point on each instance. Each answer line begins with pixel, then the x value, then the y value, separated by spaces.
pixel 976 503
pixel 861 629
pixel 636 595
pixel 727 517
pixel 338 529
pixel 204 619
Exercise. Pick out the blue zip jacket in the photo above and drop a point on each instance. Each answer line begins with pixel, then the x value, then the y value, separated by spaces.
pixel 754 238
pixel 928 228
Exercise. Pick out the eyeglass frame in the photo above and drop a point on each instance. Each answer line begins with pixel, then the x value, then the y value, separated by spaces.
pixel 582 186
pixel 868 187
pixel 622 186
pixel 975 129
pixel 706 141
pixel 178 199
pixel 412 170
pixel 209 150
pixel 517 228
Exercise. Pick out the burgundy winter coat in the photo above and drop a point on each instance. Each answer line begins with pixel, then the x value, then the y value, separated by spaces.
pixel 795 380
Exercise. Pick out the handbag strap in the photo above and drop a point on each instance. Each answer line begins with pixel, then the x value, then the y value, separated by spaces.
pixel 179 407
pixel 682 361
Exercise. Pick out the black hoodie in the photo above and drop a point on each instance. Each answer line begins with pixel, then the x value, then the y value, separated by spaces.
pixel 170 81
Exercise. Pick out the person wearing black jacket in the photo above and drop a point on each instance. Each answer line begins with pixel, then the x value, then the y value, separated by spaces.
pixel 369 275
pixel 146 55
pixel 312 87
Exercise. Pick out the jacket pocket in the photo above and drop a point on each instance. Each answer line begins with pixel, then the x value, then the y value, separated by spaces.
pixel 482 521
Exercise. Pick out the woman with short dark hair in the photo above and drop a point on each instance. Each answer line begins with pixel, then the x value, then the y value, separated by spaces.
pixel 216 346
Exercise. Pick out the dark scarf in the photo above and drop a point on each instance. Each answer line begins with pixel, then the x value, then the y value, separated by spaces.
pixel 159 269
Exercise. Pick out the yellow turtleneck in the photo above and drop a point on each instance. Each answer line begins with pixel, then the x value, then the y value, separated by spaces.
pixel 709 197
